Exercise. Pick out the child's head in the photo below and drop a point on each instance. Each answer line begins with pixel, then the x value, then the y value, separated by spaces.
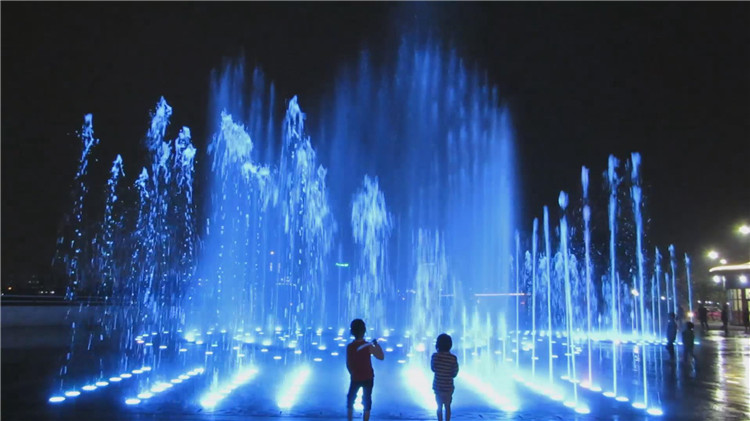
pixel 444 343
pixel 358 328
pixel 690 325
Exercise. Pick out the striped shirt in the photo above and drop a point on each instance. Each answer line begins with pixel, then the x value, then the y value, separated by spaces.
pixel 445 366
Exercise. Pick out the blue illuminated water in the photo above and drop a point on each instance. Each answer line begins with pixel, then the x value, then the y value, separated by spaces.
pixel 396 204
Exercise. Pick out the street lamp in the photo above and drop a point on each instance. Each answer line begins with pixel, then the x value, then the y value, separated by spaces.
pixel 743 279
pixel 723 261
pixel 744 229
pixel 713 254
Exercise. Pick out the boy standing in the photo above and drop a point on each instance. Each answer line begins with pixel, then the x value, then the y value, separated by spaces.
pixel 359 364
pixel 445 366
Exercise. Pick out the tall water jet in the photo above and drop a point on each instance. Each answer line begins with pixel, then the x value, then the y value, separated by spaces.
pixel 636 194
pixel 371 227
pixel 441 143
pixel 548 269
pixel 613 183
pixel 673 269
pixel 563 202
pixel 689 286
pixel 587 246
pixel 534 236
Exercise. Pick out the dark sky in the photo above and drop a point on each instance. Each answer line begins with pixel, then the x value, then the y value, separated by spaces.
pixel 669 80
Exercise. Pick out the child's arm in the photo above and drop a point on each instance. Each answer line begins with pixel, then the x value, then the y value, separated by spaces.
pixel 455 369
pixel 432 363
pixel 377 351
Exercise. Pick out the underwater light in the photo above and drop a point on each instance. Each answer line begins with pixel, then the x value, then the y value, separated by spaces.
pixel 132 401
pixel 317 359
pixel 56 399
pixel 89 388
pixel 115 379
pixel 639 405
pixel 609 394
pixel 655 411
pixel 145 395
pixel 582 410
pixel 72 393
pixel 101 384
pixel 622 399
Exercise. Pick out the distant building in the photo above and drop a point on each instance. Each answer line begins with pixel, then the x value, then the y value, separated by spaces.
pixel 735 279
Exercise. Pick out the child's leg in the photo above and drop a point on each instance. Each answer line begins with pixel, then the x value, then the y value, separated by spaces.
pixel 447 400
pixel 367 399
pixel 350 397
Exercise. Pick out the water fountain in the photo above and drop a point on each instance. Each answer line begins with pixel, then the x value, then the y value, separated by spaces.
pixel 397 206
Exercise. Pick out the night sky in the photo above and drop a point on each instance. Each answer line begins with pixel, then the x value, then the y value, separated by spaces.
pixel 669 80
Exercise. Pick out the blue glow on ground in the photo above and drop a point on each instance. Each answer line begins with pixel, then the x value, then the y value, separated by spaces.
pixel 218 393
pixel 292 388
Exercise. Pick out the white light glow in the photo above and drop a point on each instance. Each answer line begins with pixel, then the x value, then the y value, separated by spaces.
pixel 212 398
pixel 292 388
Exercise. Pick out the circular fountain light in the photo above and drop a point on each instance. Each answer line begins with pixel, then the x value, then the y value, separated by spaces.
pixel 126 375
pixel 209 353
pixel 101 384
pixel 655 411
pixel 277 357
pixel 622 399
pixel 72 393
pixel 639 405
pixel 596 389
pixel 183 377
pixel 115 379
pixel 146 368
pixel 609 394
pixel 162 347
pixel 145 395
pixel 297 351
pixel 317 360
pixel 132 401
pixel 569 404
pixel 556 397
pixel 88 388
pixel 56 399
pixel 136 371
pixel 176 381
pixel 583 410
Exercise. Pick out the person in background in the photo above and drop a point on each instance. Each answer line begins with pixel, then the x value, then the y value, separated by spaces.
pixel 445 366
pixel 688 342
pixel 671 335
pixel 703 317
pixel 359 364
pixel 725 319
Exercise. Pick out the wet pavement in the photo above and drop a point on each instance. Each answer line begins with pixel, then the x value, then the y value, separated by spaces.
pixel 716 387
